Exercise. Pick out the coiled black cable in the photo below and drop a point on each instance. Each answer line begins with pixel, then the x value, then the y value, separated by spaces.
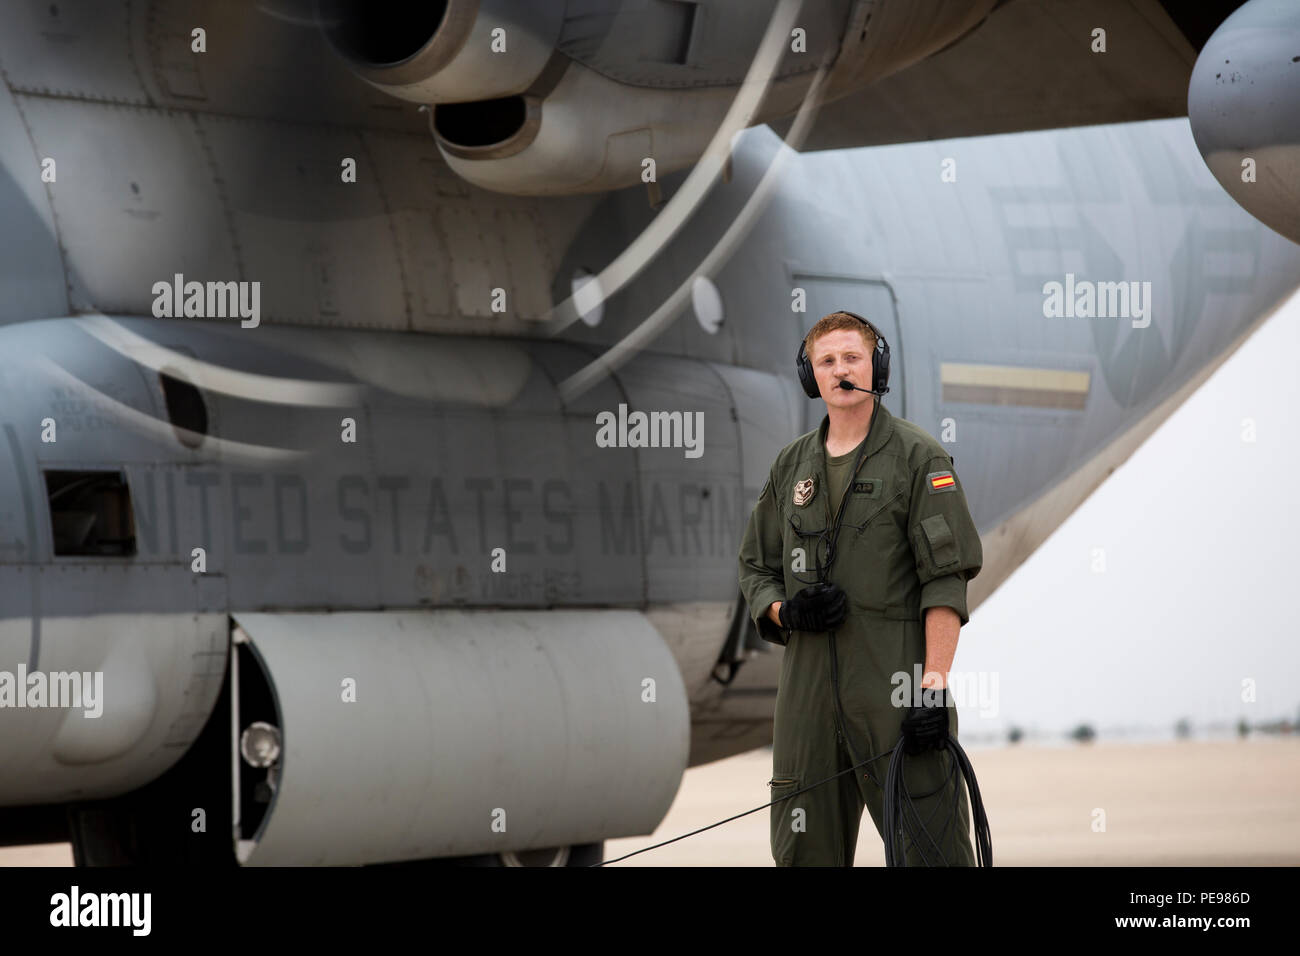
pixel 903 819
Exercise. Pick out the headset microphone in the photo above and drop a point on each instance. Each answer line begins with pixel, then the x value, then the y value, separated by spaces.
pixel 849 386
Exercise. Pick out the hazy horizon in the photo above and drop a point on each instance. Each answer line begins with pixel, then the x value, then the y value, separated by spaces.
pixel 1187 607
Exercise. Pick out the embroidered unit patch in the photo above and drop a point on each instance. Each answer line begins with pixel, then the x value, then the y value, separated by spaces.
pixel 803 491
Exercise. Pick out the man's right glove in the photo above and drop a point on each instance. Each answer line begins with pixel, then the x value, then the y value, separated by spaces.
pixel 818 607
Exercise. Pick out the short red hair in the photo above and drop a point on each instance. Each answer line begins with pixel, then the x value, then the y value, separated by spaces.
pixel 834 322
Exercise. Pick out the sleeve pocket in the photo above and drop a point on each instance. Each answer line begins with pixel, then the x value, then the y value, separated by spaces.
pixel 939 540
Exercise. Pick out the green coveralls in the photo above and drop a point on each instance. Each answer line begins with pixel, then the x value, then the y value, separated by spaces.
pixel 906 543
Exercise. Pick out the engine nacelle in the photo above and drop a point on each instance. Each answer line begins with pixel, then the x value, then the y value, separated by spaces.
pixel 401 735
pixel 447 51
pixel 579 105
pixel 1244 106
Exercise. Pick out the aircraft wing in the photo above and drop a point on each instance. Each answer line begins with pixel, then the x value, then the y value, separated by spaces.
pixel 1031 65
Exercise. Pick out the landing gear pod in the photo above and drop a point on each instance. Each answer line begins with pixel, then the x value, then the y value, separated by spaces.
pixel 397 735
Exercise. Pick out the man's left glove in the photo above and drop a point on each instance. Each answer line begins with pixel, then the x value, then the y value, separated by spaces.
pixel 926 727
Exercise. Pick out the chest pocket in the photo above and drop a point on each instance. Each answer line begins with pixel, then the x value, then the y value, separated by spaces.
pixel 805 529
pixel 871 488
pixel 868 500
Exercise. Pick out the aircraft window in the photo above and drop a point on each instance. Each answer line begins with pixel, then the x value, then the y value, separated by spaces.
pixel 185 409
pixel 90 513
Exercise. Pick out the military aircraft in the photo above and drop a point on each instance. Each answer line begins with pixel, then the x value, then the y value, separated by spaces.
pixel 385 388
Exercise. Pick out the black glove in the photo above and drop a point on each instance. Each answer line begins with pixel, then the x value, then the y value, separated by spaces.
pixel 818 607
pixel 926 727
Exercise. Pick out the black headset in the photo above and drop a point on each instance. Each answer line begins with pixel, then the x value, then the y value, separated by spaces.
pixel 879 363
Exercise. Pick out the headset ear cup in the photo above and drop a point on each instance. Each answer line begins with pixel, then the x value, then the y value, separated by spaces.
pixel 806 377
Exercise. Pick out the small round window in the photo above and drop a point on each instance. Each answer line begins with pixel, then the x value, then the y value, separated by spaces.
pixel 707 302
pixel 587 298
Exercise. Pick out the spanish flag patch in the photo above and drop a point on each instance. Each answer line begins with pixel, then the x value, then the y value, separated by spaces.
pixel 941 481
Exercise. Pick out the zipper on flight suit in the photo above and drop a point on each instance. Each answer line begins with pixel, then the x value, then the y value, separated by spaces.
pixel 841 735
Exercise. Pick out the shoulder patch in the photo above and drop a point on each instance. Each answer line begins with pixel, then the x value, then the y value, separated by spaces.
pixel 941 481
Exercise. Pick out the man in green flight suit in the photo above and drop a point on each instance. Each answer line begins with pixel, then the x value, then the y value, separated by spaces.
pixel 861 611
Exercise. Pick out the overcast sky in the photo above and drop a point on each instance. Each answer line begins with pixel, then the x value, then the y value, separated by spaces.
pixel 1201 532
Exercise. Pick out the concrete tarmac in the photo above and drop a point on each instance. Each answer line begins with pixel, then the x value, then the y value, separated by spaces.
pixel 1187 803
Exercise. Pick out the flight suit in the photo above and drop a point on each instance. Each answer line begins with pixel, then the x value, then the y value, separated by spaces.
pixel 906 543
